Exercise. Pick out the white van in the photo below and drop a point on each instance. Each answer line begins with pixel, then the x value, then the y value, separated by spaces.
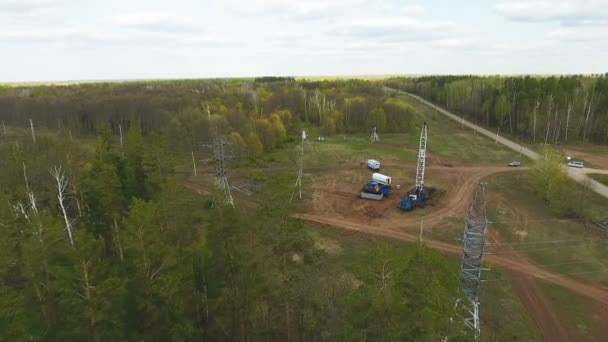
pixel 577 164
pixel 382 179
pixel 373 164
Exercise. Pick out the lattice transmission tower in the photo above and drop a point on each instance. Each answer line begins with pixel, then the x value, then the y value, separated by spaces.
pixel 298 184
pixel 473 245
pixel 219 158
pixel 374 137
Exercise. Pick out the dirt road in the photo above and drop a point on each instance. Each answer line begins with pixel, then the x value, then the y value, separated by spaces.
pixel 535 301
pixel 518 267
pixel 578 176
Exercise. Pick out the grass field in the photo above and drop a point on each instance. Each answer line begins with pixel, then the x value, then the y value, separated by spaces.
pixel 526 221
pixel 572 310
pixel 504 318
pixel 600 178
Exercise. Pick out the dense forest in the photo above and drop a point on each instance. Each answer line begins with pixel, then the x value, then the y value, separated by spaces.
pixel 255 113
pixel 100 240
pixel 549 110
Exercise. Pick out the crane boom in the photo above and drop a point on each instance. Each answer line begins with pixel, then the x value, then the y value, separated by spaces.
pixel 421 160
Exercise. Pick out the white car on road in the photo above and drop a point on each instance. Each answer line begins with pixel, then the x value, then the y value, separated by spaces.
pixel 577 164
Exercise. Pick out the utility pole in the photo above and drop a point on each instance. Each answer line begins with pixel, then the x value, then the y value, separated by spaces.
pixel 473 245
pixel 219 158
pixel 421 227
pixel 299 180
pixel 4 127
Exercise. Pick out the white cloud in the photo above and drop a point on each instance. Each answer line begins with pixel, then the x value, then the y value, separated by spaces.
pixel 454 43
pixel 156 22
pixel 395 29
pixel 23 6
pixel 295 10
pixel 39 36
pixel 414 10
pixel 579 34
pixel 570 12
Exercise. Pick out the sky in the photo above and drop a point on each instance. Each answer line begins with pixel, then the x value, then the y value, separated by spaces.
pixel 53 40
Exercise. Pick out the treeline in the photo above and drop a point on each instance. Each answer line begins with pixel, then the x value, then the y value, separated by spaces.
pixel 103 243
pixel 551 110
pixel 262 112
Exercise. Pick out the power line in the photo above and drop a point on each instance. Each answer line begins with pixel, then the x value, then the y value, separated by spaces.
pixel 544 241
pixel 549 220
pixel 560 274
pixel 550 247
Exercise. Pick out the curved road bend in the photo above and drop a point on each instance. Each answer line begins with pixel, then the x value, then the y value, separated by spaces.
pixel 578 175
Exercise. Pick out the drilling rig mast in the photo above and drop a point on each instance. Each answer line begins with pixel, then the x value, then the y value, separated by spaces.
pixel 417 197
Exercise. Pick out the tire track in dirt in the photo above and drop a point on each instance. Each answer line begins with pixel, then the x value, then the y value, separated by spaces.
pixel 532 297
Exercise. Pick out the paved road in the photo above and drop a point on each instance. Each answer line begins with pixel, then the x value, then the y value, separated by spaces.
pixel 578 175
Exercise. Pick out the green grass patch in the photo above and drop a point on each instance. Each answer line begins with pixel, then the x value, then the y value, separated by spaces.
pixel 503 315
pixel 525 220
pixel 450 139
pixel 572 310
pixel 600 178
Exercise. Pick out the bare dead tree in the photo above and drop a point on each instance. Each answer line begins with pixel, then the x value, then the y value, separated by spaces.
pixel 513 103
pixel 120 130
pixel 318 103
pixel 589 112
pixel 193 163
pixel 555 126
pixel 4 128
pixel 255 100
pixel 151 270
pixel 62 184
pixel 33 132
pixel 568 119
pixel 32 199
pixel 27 185
pixel 534 114
pixel 548 118
pixel 304 92
pixel 385 276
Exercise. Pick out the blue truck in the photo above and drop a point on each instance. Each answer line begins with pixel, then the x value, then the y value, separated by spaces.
pixel 375 191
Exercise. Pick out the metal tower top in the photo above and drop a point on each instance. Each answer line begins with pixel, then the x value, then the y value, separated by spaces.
pixel 421 159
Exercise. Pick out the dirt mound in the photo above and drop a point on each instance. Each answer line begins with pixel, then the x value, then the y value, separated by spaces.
pixel 434 195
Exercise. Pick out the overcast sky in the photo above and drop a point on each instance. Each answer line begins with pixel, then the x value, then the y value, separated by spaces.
pixel 43 40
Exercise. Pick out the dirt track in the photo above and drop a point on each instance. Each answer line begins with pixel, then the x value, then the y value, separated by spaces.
pixel 519 267
pixel 333 206
pixel 338 196
pixel 532 297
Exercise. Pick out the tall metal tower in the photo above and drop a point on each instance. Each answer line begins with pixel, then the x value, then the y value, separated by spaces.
pixel 218 148
pixel 421 160
pixel 417 197
pixel 473 245
pixel 299 180
pixel 374 137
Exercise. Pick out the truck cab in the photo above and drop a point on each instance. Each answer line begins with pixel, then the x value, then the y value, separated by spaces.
pixel 373 164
